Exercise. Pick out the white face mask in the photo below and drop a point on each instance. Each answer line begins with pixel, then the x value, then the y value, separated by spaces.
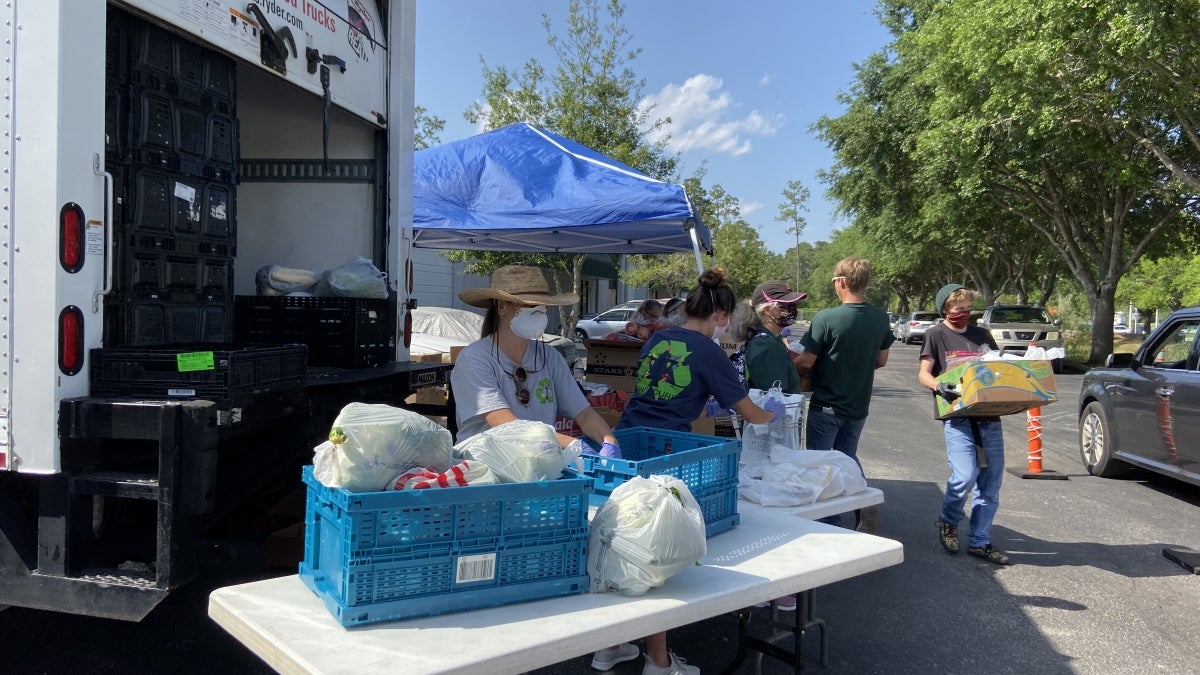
pixel 530 322
pixel 719 332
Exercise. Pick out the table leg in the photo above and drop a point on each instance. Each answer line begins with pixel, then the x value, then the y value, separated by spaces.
pixel 795 657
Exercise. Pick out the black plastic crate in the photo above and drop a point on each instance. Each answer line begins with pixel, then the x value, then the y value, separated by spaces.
pixel 170 133
pixel 151 270
pixel 116 45
pixel 116 121
pixel 224 372
pixel 183 70
pixel 167 203
pixel 148 317
pixel 339 332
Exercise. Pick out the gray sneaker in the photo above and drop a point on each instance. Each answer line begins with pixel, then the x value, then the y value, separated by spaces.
pixel 678 667
pixel 605 659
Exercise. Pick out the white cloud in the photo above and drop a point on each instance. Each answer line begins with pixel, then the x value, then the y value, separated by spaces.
pixel 766 79
pixel 701 117
pixel 750 207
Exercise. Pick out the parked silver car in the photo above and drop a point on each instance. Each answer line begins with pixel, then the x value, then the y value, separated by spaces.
pixel 912 330
pixel 608 321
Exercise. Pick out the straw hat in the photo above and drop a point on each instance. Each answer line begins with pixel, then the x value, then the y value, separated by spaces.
pixel 520 284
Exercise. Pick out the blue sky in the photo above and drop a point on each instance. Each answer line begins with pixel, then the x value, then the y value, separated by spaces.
pixel 741 81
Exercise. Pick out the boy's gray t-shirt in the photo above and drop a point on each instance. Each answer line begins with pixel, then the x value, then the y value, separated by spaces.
pixel 482 380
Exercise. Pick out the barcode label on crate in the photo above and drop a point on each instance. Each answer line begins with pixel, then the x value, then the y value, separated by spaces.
pixel 181 392
pixel 475 568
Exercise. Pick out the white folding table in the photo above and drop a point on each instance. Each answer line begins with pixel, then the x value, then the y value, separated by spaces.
pixel 806 602
pixel 770 554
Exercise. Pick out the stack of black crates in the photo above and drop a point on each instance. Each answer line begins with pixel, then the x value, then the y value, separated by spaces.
pixel 172 148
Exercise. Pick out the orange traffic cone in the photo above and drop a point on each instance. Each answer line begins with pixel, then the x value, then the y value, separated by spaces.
pixel 1033 430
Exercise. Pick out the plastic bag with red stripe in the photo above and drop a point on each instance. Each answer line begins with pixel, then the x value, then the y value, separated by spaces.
pixel 466 472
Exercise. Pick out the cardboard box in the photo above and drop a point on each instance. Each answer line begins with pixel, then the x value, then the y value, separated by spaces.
pixel 994 388
pixel 429 396
pixel 454 351
pixel 610 353
pixel 609 407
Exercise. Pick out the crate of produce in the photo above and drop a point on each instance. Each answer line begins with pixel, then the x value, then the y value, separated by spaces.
pixel 339 332
pixel 385 556
pixel 708 465
pixel 216 372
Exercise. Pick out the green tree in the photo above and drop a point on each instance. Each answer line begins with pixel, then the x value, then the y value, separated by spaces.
pixel 791 211
pixel 591 96
pixel 1030 108
pixel 428 129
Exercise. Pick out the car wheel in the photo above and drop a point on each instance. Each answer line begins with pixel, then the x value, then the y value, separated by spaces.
pixel 580 334
pixel 1096 444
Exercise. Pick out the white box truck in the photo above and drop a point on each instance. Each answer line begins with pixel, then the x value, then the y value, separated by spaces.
pixel 156 153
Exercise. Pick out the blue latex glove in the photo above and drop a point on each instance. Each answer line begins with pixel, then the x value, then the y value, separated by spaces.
pixel 786 332
pixel 774 406
pixel 610 450
pixel 712 408
pixel 587 448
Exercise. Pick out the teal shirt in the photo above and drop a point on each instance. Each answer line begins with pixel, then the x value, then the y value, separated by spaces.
pixel 847 340
pixel 768 361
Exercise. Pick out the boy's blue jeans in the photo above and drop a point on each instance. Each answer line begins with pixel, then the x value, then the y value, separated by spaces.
pixel 966 476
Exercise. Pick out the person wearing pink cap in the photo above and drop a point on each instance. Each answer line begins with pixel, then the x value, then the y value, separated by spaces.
pixel 761 324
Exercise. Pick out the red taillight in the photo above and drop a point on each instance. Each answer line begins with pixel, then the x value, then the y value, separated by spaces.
pixel 408 329
pixel 70 340
pixel 71 237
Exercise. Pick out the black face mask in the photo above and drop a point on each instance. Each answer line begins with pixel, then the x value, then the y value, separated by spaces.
pixel 788 317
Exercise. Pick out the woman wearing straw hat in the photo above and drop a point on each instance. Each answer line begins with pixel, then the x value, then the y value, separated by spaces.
pixel 510 374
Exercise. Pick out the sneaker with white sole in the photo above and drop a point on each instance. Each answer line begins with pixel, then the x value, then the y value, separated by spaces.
pixel 678 667
pixel 605 659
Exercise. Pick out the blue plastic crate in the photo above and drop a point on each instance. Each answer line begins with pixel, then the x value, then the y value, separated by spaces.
pixel 383 556
pixel 708 465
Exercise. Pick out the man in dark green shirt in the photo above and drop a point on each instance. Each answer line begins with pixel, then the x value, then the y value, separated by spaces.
pixel 842 349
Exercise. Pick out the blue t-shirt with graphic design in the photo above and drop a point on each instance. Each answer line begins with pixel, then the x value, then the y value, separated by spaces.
pixel 678 369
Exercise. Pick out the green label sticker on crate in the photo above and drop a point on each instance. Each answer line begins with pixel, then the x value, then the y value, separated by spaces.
pixel 192 361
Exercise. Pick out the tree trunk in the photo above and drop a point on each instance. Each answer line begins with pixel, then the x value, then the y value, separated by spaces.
pixel 1102 305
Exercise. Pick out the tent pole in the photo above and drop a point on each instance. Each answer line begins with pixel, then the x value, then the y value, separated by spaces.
pixel 696 250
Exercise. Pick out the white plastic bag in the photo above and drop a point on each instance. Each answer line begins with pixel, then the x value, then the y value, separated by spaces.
pixel 783 430
pixel 649 530
pixel 371 443
pixel 466 472
pixel 277 280
pixel 358 278
pixel 798 477
pixel 520 451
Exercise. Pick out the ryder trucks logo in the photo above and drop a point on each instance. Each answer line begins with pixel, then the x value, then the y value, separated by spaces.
pixel 362 30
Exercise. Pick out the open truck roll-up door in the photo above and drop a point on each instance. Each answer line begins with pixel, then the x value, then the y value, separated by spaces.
pixel 307 42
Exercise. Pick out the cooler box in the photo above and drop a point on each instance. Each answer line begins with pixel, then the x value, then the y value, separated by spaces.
pixel 706 464
pixel 383 556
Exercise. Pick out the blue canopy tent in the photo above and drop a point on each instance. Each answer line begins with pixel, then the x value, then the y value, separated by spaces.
pixel 520 188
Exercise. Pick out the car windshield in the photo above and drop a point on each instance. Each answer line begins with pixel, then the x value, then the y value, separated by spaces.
pixel 1020 315
pixel 925 316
